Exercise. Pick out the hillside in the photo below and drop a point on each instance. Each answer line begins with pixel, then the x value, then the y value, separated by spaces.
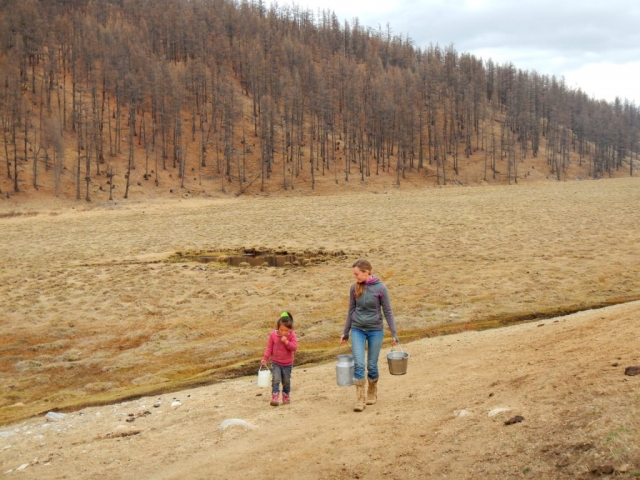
pixel 107 100
pixel 444 418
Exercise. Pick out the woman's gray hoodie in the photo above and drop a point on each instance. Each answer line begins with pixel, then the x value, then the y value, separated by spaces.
pixel 365 312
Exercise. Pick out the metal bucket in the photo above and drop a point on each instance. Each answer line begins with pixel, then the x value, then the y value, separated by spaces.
pixel 344 370
pixel 397 361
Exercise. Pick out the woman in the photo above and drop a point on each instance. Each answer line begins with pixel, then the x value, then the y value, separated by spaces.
pixel 367 299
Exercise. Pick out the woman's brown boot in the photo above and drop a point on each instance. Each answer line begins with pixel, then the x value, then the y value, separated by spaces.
pixel 372 393
pixel 360 394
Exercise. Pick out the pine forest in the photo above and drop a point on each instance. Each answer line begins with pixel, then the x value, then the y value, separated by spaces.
pixel 100 97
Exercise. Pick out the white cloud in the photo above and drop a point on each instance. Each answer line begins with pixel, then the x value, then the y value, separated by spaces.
pixel 607 80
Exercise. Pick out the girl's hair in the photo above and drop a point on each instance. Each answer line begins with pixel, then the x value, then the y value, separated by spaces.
pixel 364 266
pixel 285 319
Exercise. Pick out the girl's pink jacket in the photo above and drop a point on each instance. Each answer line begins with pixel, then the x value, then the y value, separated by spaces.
pixel 278 351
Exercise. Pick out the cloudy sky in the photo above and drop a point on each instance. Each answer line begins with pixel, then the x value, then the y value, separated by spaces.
pixel 594 44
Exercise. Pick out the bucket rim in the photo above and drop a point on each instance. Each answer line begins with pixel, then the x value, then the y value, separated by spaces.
pixel 397 355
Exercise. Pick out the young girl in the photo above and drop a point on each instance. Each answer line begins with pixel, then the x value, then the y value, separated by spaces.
pixel 280 347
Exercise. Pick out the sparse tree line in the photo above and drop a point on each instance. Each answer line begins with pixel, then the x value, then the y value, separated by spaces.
pixel 172 77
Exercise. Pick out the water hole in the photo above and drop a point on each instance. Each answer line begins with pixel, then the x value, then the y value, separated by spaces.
pixel 258 257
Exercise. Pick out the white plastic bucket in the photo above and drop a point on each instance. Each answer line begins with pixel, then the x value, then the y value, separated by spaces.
pixel 264 377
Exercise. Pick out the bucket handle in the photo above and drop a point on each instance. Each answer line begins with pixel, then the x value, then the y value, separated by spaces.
pixel 345 347
pixel 265 366
pixel 399 346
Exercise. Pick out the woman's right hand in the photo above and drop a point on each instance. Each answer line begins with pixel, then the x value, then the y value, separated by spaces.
pixel 263 362
pixel 342 340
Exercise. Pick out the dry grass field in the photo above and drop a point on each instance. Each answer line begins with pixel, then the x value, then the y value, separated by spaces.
pixel 100 305
pixel 95 309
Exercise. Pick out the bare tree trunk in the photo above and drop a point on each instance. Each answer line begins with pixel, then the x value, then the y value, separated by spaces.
pixel 110 176
pixel 132 115
pixel 311 158
pixel 87 177
pixel 79 156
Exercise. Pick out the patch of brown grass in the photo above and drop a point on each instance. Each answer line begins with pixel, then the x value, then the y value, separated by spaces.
pixel 18 214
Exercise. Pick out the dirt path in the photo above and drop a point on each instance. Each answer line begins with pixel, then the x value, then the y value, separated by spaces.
pixel 443 419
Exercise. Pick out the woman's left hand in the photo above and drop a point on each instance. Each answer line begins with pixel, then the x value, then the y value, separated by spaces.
pixel 394 341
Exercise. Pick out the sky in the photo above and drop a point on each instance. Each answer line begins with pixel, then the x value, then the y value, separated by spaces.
pixel 593 44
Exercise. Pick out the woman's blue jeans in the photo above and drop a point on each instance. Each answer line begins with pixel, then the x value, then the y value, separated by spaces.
pixel 373 340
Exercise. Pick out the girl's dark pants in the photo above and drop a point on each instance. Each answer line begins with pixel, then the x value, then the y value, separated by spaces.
pixel 281 375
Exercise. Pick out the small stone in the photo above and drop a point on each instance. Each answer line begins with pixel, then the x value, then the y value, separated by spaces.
pixel 235 422
pixel 633 370
pixel 497 411
pixel 624 468
pixel 516 419
pixel 176 403
pixel 22 467
pixel 122 431
pixel 52 416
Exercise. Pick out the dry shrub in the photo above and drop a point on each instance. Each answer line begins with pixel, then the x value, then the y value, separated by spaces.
pixel 149 380
pixel 64 396
pixel 13 397
pixel 99 387
pixel 27 365
pixel 44 359
pixel 57 345
pixel 18 214
pixel 71 356
pixel 39 379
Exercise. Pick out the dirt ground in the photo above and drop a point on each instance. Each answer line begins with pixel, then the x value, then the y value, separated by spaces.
pixel 444 419
pixel 95 311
